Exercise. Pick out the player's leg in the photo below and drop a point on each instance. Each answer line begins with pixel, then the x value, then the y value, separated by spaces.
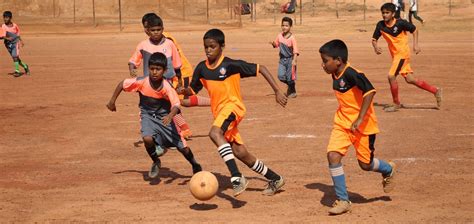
pixel 397 64
pixel 365 147
pixel 152 141
pixel 282 74
pixel 275 181
pixel 151 149
pixel 339 142
pixel 410 14
pixel 25 66
pixel 188 154
pixel 183 126
pixel 195 100
pixel 290 79
pixel 415 14
pixel 225 120
pixel 437 92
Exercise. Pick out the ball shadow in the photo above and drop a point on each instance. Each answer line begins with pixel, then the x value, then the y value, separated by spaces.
pixel 202 206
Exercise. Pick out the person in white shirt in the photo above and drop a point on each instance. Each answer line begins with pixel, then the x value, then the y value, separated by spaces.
pixel 413 11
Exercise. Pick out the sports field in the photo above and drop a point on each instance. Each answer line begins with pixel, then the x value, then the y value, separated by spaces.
pixel 66 158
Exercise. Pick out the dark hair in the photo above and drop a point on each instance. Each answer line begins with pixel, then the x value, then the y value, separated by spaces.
pixel 287 19
pixel 154 21
pixel 335 49
pixel 158 59
pixel 215 34
pixel 147 17
pixel 389 7
pixel 8 14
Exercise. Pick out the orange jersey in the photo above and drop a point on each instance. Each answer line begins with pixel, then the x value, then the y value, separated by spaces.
pixel 186 68
pixel 146 48
pixel 223 83
pixel 288 46
pixel 155 101
pixel 396 36
pixel 12 29
pixel 350 88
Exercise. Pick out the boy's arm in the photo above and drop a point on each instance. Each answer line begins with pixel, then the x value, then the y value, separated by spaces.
pixel 367 100
pixel 279 96
pixel 118 90
pixel 133 69
pixel 416 49
pixel 375 38
pixel 377 49
pixel 175 103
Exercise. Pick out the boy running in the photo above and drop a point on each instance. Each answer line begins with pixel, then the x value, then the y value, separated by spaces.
pixel 13 43
pixel 354 123
pixel 394 31
pixel 221 77
pixel 288 53
pixel 159 103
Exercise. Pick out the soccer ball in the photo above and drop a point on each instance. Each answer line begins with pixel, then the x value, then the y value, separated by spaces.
pixel 203 185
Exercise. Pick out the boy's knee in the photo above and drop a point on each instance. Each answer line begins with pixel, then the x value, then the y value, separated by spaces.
pixel 334 157
pixel 214 134
pixel 148 140
pixel 364 166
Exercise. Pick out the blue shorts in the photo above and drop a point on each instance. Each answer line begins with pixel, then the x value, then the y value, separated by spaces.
pixel 13 49
pixel 164 136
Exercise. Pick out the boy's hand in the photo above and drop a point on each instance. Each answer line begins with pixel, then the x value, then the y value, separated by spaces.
pixel 111 106
pixel 416 49
pixel 167 120
pixel 378 50
pixel 272 43
pixel 355 125
pixel 22 44
pixel 281 98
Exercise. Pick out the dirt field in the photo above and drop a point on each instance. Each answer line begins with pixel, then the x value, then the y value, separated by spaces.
pixel 66 158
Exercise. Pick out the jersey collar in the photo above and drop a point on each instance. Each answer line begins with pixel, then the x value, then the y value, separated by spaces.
pixel 219 61
pixel 342 72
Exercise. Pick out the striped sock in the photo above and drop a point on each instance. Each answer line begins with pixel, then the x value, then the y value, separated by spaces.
pixel 260 168
pixel 179 120
pixel 381 166
pixel 225 151
pixel 339 180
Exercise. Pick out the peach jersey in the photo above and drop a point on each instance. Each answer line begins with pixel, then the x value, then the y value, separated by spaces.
pixel 13 29
pixel 288 46
pixel 223 82
pixel 154 101
pixel 146 48
pixel 350 87
pixel 186 68
pixel 396 36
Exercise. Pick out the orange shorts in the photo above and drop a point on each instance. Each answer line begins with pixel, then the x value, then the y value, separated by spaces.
pixel 228 120
pixel 341 139
pixel 400 66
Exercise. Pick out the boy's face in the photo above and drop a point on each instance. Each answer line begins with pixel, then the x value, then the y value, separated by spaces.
pixel 285 27
pixel 330 65
pixel 387 15
pixel 213 49
pixel 155 32
pixel 156 72
pixel 7 19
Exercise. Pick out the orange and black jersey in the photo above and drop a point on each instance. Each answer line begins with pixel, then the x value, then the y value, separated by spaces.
pixel 223 82
pixel 350 87
pixel 396 36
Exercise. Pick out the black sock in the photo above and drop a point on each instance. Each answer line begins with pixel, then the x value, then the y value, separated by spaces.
pixel 151 150
pixel 225 151
pixel 260 168
pixel 188 154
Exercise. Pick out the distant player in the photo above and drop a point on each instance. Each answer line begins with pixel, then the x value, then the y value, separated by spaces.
pixel 354 123
pixel 221 77
pixel 414 11
pixel 394 31
pixel 288 56
pixel 157 42
pixel 159 103
pixel 13 43
pixel 186 71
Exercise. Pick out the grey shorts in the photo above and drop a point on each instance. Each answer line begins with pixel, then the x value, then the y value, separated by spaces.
pixel 285 70
pixel 164 136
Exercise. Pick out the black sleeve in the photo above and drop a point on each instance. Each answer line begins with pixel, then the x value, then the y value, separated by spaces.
pixel 243 68
pixel 405 25
pixel 377 32
pixel 196 84
pixel 359 80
